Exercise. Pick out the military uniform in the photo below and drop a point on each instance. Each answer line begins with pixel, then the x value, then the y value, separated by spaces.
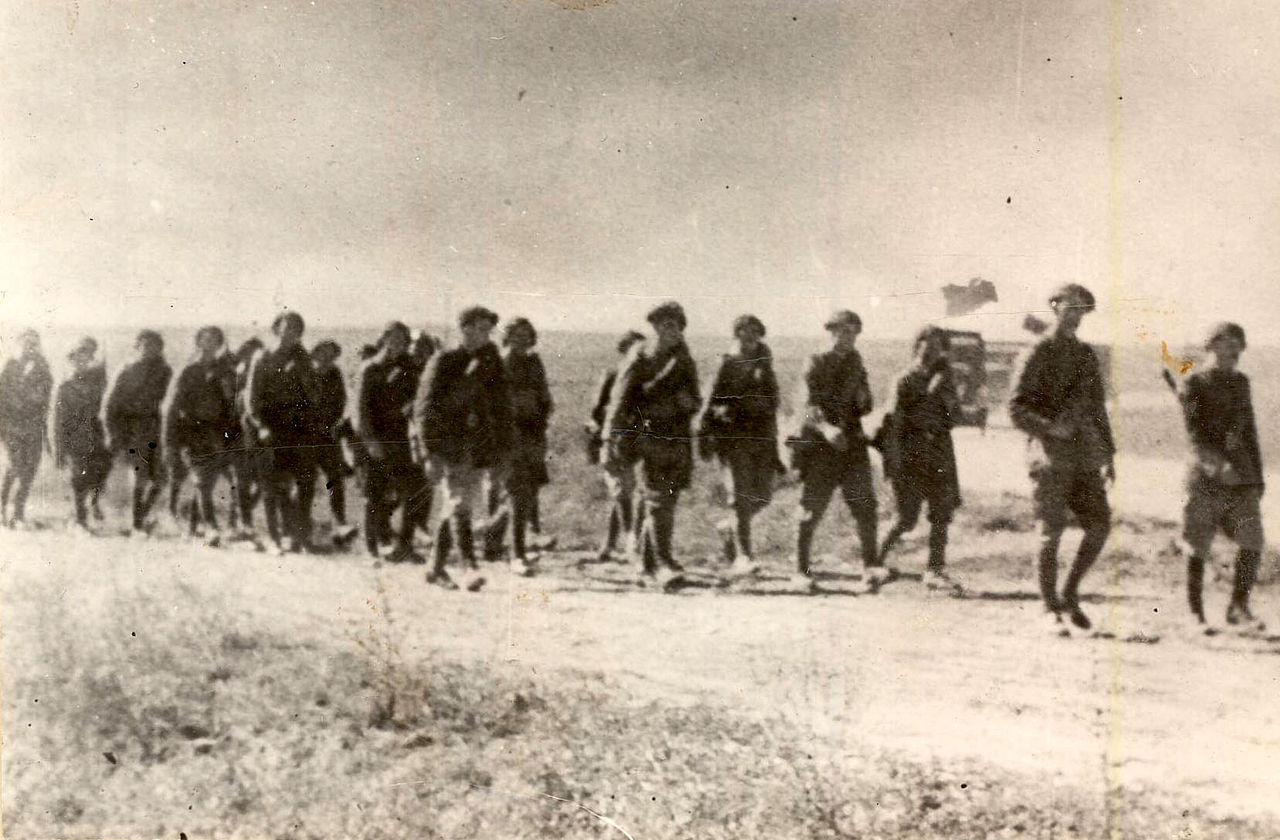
pixel 280 394
pixel 25 386
pixel 133 423
pixel 740 427
pixel 198 424
pixel 330 407
pixel 838 394
pixel 526 467
pixel 661 391
pixel 1225 481
pixel 920 457
pixel 616 450
pixel 1060 386
pixel 462 418
pixel 79 440
pixel 385 390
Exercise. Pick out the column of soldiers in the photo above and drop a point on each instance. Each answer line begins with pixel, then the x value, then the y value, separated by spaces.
pixel 426 422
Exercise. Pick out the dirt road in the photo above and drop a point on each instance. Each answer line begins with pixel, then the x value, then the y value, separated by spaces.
pixel 936 678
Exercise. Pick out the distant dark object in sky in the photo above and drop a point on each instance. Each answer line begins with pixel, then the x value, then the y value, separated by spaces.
pixel 961 300
pixel 1034 325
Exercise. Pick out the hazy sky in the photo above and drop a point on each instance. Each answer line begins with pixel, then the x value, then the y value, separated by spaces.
pixel 187 162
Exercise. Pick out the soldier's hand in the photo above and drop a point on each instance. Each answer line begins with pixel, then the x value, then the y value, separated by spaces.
pixel 376 450
pixel 417 451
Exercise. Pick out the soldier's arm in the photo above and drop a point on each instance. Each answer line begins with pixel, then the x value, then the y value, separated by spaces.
pixel 426 409
pixel 1028 386
pixel 500 408
pixel 341 393
pixel 1249 434
pixel 544 391
pixel 628 370
pixel 603 392
pixel 811 392
pixel 863 401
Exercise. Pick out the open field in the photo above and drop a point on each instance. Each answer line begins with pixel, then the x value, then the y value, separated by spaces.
pixel 164 688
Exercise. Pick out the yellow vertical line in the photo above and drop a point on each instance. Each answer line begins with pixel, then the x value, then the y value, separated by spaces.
pixel 1114 718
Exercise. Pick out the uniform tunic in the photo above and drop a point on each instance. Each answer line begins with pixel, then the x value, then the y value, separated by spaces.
pixel 920 455
pixel 78 435
pixel 132 412
pixel 661 392
pixel 531 408
pixel 837 392
pixel 741 423
pixel 1225 481
pixel 200 417
pixel 1061 381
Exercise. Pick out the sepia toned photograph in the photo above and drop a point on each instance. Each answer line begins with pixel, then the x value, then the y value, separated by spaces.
pixel 639 419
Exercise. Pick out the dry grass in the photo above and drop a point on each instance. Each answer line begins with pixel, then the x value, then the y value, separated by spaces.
pixel 160 709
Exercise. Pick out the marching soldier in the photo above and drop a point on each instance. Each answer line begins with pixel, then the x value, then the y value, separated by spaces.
pixel 1059 401
pixel 740 427
pixel 616 449
pixel 385 388
pixel 330 406
pixel 132 418
pixel 831 451
pixel 281 393
pixel 1225 483
pixel 919 455
pixel 661 389
pixel 197 421
pixel 79 441
pixel 461 428
pixel 25 385
pixel 526 469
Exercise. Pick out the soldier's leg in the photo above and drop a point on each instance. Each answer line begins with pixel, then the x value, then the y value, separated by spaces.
pixel 939 524
pixel 1200 518
pixel 1088 499
pixel 304 479
pixel 523 495
pixel 659 527
pixel 666 472
pixel 818 480
pixel 81 483
pixel 909 503
pixel 725 497
pixel 1049 498
pixel 417 493
pixel 206 481
pixel 178 472
pixel 376 480
pixel 335 480
pixel 460 488
pixel 1245 523
pixel 24 458
pixel 499 508
pixel 860 496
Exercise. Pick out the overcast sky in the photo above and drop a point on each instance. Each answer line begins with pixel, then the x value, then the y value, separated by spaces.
pixel 190 162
